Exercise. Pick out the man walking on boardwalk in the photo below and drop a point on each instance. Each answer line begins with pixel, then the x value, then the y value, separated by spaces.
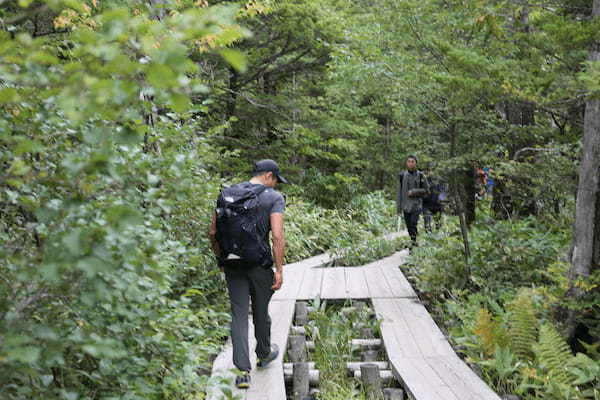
pixel 412 187
pixel 239 233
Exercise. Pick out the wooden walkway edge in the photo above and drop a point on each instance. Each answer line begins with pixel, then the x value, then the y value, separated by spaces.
pixel 421 357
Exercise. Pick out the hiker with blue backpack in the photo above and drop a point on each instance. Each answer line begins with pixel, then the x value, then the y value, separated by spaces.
pixel 412 187
pixel 239 234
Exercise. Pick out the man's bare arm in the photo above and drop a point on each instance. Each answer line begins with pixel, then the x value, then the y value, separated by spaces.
pixel 278 239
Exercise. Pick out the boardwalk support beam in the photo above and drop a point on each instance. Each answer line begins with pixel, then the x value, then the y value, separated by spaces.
pixel 371 381
pixel 301 317
pixel 297 352
pixel 301 383
pixel 393 394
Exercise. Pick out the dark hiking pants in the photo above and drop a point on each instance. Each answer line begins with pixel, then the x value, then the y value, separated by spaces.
pixel 244 283
pixel 412 219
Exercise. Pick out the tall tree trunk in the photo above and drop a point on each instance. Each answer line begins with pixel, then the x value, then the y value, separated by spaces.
pixel 468 193
pixel 586 241
pixel 457 190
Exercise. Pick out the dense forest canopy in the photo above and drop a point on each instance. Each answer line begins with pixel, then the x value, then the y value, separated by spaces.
pixel 122 119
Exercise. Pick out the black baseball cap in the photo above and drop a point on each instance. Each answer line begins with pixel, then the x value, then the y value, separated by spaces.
pixel 269 166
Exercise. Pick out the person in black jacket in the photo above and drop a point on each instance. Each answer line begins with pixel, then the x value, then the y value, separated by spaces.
pixel 412 187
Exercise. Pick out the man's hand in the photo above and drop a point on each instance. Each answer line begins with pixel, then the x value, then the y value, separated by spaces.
pixel 277 280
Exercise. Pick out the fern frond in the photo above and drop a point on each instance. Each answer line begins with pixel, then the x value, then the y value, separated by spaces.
pixel 523 326
pixel 554 355
pixel 489 331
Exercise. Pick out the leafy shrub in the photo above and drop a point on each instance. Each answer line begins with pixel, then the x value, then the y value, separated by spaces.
pixel 505 254
pixel 354 233
pixel 494 306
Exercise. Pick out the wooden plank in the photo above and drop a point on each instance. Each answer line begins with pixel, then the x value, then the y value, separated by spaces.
pixel 397 345
pixel 397 282
pixel 293 274
pixel 281 313
pixel 461 379
pixel 356 284
pixel 378 286
pixel 413 329
pixel 386 310
pixel 405 343
pixel 312 262
pixel 397 337
pixel 268 383
pixel 311 284
pixel 375 274
pixel 395 260
pixel 280 329
pixel 429 337
pixel 292 279
pixel 417 380
pixel 333 284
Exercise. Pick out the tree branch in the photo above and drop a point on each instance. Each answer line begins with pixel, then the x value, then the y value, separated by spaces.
pixel 524 149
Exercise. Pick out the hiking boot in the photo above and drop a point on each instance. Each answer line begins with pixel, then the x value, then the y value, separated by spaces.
pixel 243 381
pixel 263 362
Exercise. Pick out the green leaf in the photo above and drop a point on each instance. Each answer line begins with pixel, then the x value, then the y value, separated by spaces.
pixel 236 59
pixel 122 216
pixel 50 272
pixel 128 136
pixel 93 265
pixel 161 76
pixel 19 168
pixel 24 354
pixel 96 134
pixel 28 146
pixel 9 95
pixel 72 241
pixel 179 102
pixel 46 380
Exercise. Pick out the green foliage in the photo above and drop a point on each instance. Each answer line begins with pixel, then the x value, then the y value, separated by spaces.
pixel 554 355
pixel 523 325
pixel 353 233
pixel 505 254
pixel 107 287
pixel 504 328
pixel 502 370
pixel 490 332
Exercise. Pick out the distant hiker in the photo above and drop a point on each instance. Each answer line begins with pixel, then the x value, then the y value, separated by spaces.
pixel 490 180
pixel 480 182
pixel 433 206
pixel 412 187
pixel 239 233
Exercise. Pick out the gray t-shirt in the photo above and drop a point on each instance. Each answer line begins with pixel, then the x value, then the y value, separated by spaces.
pixel 271 202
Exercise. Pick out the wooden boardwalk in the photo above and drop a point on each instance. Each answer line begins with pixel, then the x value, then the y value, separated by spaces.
pixel 421 357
